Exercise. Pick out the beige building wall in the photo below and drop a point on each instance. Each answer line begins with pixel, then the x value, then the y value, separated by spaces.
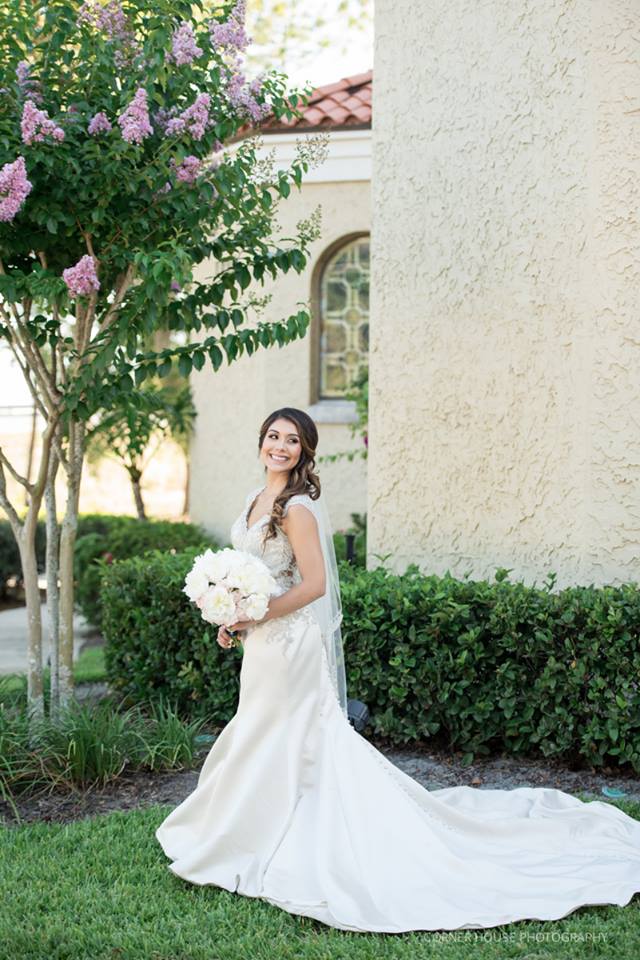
pixel 233 402
pixel 505 332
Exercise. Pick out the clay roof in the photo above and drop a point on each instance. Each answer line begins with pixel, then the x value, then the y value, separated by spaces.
pixel 334 106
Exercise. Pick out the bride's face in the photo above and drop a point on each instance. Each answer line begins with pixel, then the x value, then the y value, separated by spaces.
pixel 281 447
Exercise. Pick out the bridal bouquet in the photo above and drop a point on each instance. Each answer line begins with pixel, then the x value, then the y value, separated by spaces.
pixel 229 585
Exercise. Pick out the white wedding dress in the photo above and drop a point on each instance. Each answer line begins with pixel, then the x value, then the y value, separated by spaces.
pixel 295 807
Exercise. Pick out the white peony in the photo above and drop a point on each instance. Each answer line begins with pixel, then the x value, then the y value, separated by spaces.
pixel 256 605
pixel 195 583
pixel 215 565
pixel 218 606
pixel 230 585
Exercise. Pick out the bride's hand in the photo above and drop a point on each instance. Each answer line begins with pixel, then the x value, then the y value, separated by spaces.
pixel 223 638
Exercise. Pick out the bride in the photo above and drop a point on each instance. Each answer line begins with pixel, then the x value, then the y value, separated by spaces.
pixel 295 807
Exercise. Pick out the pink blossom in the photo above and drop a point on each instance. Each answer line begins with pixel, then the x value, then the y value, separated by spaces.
pixel 183 47
pixel 100 123
pixel 82 279
pixel 13 183
pixel 134 120
pixel 35 124
pixel 175 285
pixel 231 34
pixel 193 120
pixel 188 170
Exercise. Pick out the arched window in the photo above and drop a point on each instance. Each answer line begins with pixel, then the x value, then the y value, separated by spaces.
pixel 344 318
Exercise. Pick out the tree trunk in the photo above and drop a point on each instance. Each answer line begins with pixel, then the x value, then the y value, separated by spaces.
pixel 27 548
pixel 32 447
pixel 137 493
pixel 67 543
pixel 185 506
pixel 24 532
pixel 53 594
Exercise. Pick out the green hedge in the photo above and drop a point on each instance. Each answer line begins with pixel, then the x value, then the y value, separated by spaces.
pixel 480 666
pixel 122 537
pixel 157 643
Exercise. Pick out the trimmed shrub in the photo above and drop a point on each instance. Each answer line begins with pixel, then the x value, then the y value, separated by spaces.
pixel 119 539
pixel 479 666
pixel 158 645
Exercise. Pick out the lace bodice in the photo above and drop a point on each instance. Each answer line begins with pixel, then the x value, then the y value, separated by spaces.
pixel 276 553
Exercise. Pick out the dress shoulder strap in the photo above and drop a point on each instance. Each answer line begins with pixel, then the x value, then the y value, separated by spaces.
pixel 303 498
pixel 252 494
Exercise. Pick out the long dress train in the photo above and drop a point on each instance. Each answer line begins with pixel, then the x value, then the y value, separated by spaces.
pixel 295 807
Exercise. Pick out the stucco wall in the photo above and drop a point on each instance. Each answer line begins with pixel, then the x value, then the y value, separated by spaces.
pixel 504 423
pixel 233 402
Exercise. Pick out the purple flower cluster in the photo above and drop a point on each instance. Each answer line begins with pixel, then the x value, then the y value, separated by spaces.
pixel 188 170
pixel 232 39
pixel 81 279
pixel 28 85
pixel 183 46
pixel 110 18
pixel 36 125
pixel 100 123
pixel 193 120
pixel 231 34
pixel 243 96
pixel 134 120
pixel 14 188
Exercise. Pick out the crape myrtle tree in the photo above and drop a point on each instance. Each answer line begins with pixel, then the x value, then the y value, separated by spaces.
pixel 114 187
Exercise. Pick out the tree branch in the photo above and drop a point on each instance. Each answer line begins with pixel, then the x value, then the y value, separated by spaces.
pixel 127 280
pixel 14 473
pixel 7 506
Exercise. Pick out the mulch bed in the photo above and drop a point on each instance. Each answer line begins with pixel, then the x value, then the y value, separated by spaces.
pixel 431 767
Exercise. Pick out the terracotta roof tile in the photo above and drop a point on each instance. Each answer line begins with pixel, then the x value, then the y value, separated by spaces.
pixel 335 106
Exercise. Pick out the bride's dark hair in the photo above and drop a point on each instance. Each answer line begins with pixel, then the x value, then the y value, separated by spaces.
pixel 302 478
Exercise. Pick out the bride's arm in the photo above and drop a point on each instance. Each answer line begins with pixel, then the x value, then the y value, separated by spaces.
pixel 301 528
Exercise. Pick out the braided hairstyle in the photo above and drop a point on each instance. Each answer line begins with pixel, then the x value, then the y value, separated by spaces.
pixel 302 477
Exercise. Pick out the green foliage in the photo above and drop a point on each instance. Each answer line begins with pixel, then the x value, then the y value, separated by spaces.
pixel 480 666
pixel 90 744
pixel 128 429
pixel 359 529
pixel 122 538
pixel 106 197
pixel 158 645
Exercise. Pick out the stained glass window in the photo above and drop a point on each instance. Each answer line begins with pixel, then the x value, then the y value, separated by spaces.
pixel 344 318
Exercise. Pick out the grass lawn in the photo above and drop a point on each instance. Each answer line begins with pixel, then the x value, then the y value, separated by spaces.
pixel 100 888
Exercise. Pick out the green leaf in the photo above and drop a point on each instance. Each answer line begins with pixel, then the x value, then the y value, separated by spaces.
pixel 215 354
